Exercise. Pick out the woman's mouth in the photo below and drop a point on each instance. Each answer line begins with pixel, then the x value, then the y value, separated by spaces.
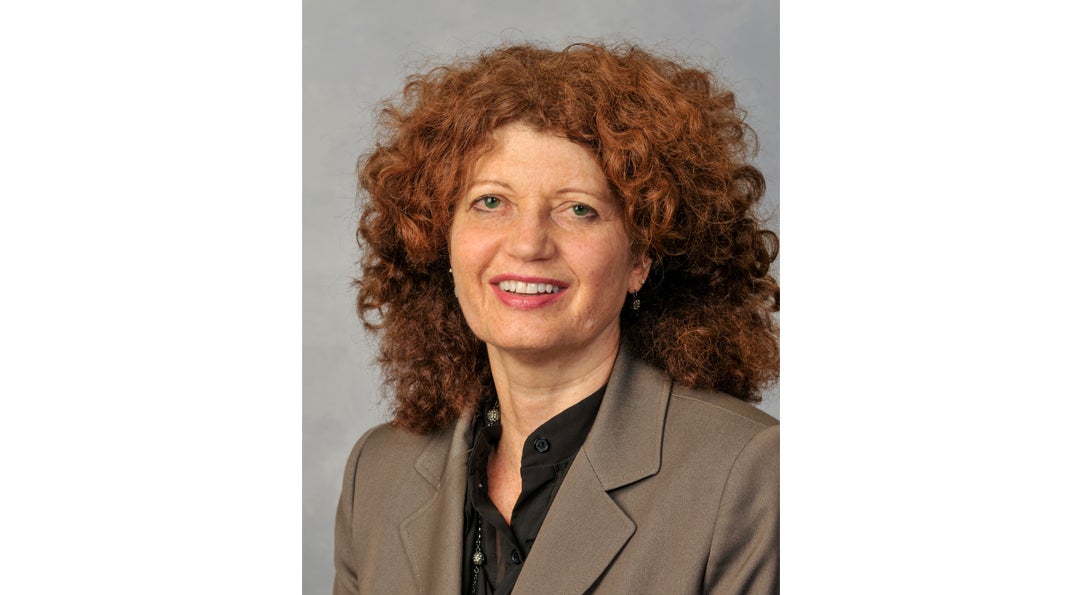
pixel 522 288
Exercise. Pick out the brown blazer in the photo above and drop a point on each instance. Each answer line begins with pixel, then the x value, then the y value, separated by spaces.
pixel 674 491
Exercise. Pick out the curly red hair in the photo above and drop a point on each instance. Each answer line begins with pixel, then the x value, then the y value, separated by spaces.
pixel 675 148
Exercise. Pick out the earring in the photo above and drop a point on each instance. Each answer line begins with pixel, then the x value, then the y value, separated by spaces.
pixel 636 297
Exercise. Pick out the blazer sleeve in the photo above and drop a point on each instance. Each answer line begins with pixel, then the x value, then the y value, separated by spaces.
pixel 745 550
pixel 345 580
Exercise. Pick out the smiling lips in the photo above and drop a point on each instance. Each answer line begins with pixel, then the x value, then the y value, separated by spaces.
pixel 527 293
pixel 521 287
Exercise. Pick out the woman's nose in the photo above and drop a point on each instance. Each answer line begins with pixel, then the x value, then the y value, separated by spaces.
pixel 531 237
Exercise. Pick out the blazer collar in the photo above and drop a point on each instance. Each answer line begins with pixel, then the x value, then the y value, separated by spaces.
pixel 625 443
pixel 432 535
pixel 585 529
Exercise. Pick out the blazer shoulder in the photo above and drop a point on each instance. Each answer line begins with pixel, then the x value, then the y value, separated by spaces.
pixel 713 426
pixel 393 446
pixel 723 405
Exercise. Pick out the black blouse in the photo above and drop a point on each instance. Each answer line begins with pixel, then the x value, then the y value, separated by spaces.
pixel 546 456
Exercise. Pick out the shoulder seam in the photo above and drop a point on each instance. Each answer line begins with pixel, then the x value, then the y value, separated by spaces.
pixel 760 422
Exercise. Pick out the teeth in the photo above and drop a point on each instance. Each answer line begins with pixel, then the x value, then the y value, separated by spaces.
pixel 528 288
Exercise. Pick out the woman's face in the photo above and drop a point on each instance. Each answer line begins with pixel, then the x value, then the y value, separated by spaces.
pixel 538 248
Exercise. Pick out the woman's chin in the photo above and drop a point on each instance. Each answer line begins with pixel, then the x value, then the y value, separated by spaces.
pixel 543 346
pixel 526 348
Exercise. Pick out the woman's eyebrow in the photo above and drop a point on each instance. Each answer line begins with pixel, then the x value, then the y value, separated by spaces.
pixel 576 190
pixel 489 181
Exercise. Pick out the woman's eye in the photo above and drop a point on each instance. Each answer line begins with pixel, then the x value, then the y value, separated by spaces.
pixel 489 202
pixel 582 210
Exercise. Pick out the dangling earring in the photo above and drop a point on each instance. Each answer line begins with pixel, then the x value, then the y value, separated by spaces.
pixel 636 297
pixel 451 271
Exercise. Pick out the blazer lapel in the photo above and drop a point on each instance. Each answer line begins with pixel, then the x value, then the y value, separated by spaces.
pixel 585 529
pixel 432 535
pixel 581 535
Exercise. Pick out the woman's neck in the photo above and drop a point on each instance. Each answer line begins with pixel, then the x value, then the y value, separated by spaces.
pixel 531 391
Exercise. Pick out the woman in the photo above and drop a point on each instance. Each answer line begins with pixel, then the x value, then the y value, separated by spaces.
pixel 568 278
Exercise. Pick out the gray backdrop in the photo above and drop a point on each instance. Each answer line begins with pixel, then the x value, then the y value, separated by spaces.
pixel 355 54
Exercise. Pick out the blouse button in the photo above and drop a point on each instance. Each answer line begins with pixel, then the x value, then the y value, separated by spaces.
pixel 541 445
pixel 516 559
